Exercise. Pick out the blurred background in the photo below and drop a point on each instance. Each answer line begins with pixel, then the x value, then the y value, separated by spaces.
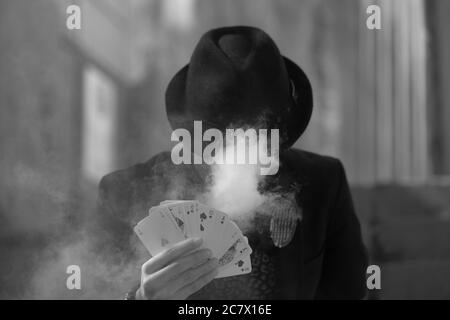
pixel 77 104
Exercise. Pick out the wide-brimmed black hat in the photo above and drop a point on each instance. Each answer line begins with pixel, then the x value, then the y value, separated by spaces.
pixel 237 78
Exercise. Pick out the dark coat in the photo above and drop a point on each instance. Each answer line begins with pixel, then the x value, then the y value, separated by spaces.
pixel 326 259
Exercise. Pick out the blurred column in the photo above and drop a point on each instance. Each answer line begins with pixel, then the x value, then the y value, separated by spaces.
pixel 393 140
pixel 402 103
pixel 420 139
pixel 366 107
pixel 384 83
pixel 439 85
pixel 410 140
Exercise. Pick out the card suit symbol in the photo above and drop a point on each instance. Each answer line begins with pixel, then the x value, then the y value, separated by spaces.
pixel 202 228
pixel 202 216
pixel 240 263
pixel 228 256
pixel 179 222
pixel 164 242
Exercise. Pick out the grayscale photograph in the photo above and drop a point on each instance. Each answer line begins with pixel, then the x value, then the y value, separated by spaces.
pixel 224 150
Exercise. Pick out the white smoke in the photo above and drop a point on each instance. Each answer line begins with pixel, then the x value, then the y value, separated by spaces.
pixel 234 187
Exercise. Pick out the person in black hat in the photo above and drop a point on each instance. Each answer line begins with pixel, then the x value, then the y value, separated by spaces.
pixel 235 78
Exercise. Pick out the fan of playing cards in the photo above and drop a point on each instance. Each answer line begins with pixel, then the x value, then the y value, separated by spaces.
pixel 174 221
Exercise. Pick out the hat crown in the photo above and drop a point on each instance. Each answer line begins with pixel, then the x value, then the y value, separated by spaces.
pixel 237 77
pixel 236 46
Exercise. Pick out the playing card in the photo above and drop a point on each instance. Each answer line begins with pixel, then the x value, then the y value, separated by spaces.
pixel 229 236
pixel 216 231
pixel 241 266
pixel 177 215
pixel 192 217
pixel 169 202
pixel 239 248
pixel 157 232
pixel 187 210
pixel 206 227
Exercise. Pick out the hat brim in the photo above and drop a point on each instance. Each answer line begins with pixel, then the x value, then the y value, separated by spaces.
pixel 300 116
pixel 297 118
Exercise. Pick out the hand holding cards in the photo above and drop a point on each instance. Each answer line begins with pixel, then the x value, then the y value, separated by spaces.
pixel 175 221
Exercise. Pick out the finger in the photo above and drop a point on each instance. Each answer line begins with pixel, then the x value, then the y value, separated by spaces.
pixel 179 267
pixel 192 275
pixel 158 286
pixel 195 286
pixel 164 258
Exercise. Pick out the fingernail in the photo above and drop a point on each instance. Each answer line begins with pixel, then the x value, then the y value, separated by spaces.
pixel 198 241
